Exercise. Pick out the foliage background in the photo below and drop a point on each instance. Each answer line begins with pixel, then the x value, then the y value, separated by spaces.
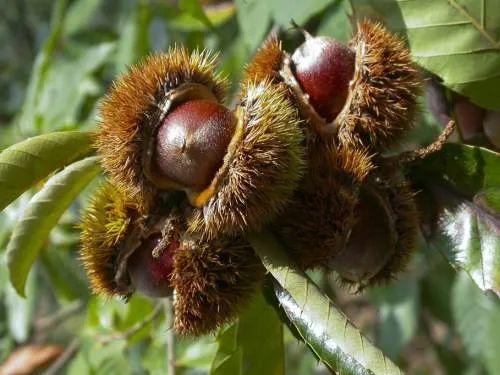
pixel 57 60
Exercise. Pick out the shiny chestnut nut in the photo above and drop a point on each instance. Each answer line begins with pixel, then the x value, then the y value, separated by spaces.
pixel 324 67
pixel 192 141
pixel 151 275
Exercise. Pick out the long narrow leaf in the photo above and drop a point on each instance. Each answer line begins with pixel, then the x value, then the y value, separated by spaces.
pixel 327 331
pixel 42 214
pixel 25 163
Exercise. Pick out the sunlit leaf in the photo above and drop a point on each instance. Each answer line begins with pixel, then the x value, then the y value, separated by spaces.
pixel 26 163
pixel 253 344
pixel 458 40
pixel 467 225
pixel 42 214
pixel 324 328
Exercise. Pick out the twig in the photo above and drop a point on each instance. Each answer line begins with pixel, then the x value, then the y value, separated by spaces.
pixel 132 330
pixel 421 153
pixel 55 367
pixel 49 322
pixel 169 311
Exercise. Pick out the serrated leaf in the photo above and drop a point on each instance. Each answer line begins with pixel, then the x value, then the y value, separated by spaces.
pixel 459 40
pixel 42 214
pixel 477 318
pixel 324 328
pixel 26 163
pixel 252 345
pixel 466 227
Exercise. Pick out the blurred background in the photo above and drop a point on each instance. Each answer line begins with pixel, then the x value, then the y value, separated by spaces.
pixel 57 60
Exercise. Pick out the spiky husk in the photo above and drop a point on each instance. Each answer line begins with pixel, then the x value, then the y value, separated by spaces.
pixel 264 170
pixel 104 225
pixel 213 280
pixel 382 102
pixel 133 100
pixel 316 223
pixel 266 63
pixel 403 204
pixel 404 211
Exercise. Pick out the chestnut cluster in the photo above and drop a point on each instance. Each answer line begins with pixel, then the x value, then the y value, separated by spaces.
pixel 301 153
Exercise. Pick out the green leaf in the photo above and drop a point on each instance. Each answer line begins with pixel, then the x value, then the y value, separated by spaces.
pixel 477 318
pixel 254 19
pixel 194 8
pixel 459 40
pixel 464 182
pixel 79 14
pixel 252 345
pixel 327 331
pixel 42 214
pixel 20 311
pixel 284 11
pixel 70 83
pixel 336 22
pixel 65 275
pixel 398 314
pixel 28 119
pixel 26 163
pixel 134 38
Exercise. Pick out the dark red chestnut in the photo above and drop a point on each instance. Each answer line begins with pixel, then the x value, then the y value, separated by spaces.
pixel 192 141
pixel 324 68
pixel 150 275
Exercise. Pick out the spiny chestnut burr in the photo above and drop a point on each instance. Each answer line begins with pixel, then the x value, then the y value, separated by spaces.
pixel 323 226
pixel 138 104
pixel 117 248
pixel 364 93
pixel 164 128
pixel 371 241
pixel 154 254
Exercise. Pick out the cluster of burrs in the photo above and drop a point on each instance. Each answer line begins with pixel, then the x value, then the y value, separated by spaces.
pixel 301 153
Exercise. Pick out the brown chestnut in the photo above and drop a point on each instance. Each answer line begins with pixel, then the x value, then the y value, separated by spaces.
pixel 192 141
pixel 324 67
